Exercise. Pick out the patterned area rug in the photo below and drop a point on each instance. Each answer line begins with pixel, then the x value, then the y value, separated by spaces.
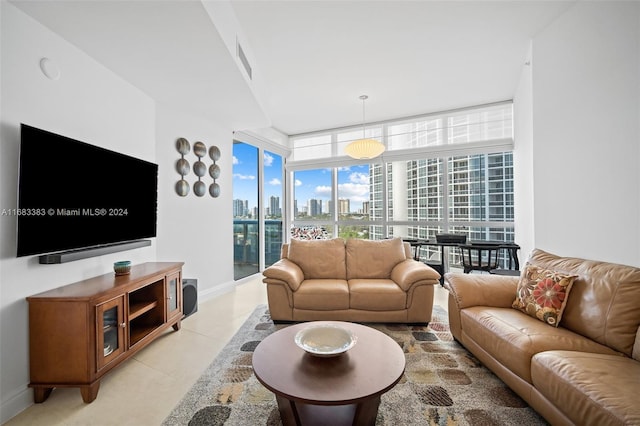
pixel 443 383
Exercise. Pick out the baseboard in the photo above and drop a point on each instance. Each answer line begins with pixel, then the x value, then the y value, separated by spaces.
pixel 15 404
pixel 211 293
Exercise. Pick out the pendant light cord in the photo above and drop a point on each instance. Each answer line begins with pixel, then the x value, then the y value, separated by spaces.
pixel 364 98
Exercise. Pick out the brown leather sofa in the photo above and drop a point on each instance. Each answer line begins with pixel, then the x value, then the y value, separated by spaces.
pixel 585 371
pixel 353 280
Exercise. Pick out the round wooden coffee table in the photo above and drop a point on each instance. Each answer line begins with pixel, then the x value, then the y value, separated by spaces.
pixel 339 390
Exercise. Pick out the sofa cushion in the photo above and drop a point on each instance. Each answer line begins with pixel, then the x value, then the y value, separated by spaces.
pixel 574 381
pixel 543 294
pixel 376 295
pixel 319 259
pixel 513 338
pixel 322 295
pixel 373 258
pixel 604 299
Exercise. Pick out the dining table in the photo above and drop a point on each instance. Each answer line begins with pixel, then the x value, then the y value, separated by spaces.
pixel 443 267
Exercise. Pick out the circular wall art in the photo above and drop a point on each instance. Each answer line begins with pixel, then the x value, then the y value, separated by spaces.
pixel 199 188
pixel 182 188
pixel 199 149
pixel 183 147
pixel 214 190
pixel 183 167
pixel 214 171
pixel 214 153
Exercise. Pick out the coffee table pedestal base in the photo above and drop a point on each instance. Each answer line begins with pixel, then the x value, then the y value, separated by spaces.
pixel 300 414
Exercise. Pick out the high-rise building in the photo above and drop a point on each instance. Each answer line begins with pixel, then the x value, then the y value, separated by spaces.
pixel 344 206
pixel 240 208
pixel 480 190
pixel 365 207
pixel 274 206
pixel 314 207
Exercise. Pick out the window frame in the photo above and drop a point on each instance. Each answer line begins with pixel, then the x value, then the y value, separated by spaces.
pixel 444 151
pixel 262 145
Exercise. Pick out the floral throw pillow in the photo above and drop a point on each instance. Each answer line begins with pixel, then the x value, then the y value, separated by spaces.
pixel 543 294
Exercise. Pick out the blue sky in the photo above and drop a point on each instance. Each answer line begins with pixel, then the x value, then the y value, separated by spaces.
pixel 353 182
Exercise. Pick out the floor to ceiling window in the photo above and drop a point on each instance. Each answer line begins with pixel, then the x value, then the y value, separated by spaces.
pixel 312 206
pixel 258 208
pixel 246 230
pixel 272 200
pixel 449 172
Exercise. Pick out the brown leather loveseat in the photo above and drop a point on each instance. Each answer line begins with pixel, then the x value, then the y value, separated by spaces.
pixel 353 280
pixel 573 355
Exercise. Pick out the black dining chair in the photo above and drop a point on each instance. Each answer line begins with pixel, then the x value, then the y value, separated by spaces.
pixel 431 262
pixel 477 257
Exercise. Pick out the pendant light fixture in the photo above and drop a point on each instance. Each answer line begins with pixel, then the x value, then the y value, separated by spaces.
pixel 364 149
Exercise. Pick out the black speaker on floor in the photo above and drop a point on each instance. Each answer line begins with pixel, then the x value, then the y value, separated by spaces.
pixel 189 296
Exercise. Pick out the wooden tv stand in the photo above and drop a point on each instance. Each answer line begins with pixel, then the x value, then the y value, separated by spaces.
pixel 79 332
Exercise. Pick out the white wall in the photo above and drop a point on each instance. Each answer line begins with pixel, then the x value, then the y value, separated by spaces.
pixel 197 230
pixel 585 94
pixel 88 103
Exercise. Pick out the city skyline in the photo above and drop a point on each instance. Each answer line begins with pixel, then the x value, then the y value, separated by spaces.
pixel 353 181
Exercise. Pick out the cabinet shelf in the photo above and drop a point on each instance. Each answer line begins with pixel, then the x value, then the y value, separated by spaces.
pixel 137 309
pixel 139 333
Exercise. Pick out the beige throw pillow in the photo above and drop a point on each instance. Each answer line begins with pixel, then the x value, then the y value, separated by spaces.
pixel 543 294
pixel 373 258
pixel 319 259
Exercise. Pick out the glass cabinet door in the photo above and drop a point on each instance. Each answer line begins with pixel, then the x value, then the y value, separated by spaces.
pixel 110 331
pixel 174 296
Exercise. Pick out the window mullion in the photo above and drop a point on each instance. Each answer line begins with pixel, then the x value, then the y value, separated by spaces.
pixel 445 183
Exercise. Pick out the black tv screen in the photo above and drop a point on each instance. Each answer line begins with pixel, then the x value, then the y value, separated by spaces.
pixel 74 195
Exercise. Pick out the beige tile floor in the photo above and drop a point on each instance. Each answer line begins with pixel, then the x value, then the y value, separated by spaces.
pixel 144 389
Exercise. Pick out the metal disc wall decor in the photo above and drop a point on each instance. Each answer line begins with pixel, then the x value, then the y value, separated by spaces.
pixel 199 188
pixel 199 149
pixel 214 171
pixel 182 188
pixel 183 147
pixel 214 153
pixel 199 168
pixel 214 190
pixel 182 166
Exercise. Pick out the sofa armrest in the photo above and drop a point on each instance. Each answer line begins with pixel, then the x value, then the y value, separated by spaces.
pixel 410 271
pixel 481 289
pixel 286 271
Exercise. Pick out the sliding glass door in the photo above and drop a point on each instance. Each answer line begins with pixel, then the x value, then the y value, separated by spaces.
pixel 258 180
pixel 246 229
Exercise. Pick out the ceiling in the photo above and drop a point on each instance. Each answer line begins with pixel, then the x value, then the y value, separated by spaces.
pixel 313 58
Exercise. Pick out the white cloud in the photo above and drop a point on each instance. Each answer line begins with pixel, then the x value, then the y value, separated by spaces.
pixel 359 178
pixel 268 160
pixel 354 191
pixel 235 160
pixel 323 190
pixel 275 182
pixel 243 177
pixel 298 182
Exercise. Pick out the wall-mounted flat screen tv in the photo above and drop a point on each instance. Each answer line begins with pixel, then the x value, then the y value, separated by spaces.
pixel 74 195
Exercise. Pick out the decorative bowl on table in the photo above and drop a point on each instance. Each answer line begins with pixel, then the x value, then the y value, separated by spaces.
pixel 122 268
pixel 325 340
